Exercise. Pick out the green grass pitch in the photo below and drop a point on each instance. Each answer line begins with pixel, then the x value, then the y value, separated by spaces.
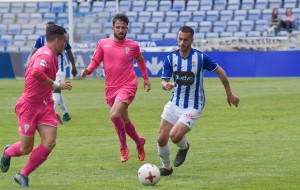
pixel 255 146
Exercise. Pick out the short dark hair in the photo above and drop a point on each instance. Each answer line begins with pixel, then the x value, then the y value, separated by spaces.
pixel 49 24
pixel 187 29
pixel 121 17
pixel 54 31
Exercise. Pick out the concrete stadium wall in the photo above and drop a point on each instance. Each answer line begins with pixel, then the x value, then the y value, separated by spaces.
pixel 236 64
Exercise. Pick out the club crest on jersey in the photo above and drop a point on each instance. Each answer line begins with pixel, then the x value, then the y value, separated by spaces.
pixel 43 63
pixel 127 49
pixel 26 127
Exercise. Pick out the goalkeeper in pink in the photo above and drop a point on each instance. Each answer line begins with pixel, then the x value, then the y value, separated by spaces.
pixel 117 54
pixel 35 108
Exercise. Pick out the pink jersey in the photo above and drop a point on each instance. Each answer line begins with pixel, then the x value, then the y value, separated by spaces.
pixel 46 61
pixel 117 60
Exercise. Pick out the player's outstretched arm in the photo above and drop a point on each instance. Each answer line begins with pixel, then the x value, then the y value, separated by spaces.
pixel 85 72
pixel 147 85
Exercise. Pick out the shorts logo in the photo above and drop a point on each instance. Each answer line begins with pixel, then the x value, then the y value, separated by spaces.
pixel 26 127
pixel 43 63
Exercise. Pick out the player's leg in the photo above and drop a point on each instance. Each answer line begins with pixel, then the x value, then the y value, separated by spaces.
pixel 131 131
pixel 115 115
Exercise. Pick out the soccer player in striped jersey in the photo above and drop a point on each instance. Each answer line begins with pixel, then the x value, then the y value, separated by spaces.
pixel 63 63
pixel 186 67
pixel 35 108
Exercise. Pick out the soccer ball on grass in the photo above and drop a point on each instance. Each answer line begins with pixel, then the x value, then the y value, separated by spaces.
pixel 148 174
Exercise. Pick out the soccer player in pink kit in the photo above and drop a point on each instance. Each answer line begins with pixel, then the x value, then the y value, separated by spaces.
pixel 117 54
pixel 35 107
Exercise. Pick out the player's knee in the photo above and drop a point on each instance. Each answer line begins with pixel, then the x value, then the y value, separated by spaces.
pixel 50 145
pixel 162 141
pixel 175 138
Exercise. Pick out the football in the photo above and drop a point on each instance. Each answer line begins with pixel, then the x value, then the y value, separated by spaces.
pixel 148 174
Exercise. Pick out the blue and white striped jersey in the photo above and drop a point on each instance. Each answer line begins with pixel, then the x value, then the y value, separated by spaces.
pixel 188 96
pixel 62 59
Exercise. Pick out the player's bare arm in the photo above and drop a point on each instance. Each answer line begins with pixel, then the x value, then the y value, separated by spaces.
pixel 142 65
pixel 167 84
pixel 85 72
pixel 231 99
pixel 72 60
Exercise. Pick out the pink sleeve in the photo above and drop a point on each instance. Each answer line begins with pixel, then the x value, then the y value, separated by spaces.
pixel 40 75
pixel 97 58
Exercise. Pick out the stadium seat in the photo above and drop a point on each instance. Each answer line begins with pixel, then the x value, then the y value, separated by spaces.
pixel 107 29
pixel 144 16
pixel 35 18
pixel 158 16
pixel 125 6
pixel 233 5
pixel 132 16
pixel 247 4
pixel 261 25
pixel 95 28
pixel 226 15
pixel 199 35
pixel 254 14
pixel 150 27
pixel 254 34
pixel 198 16
pixel 220 5
pixel 142 37
pixel 81 29
pixel 175 26
pixel 240 34
pixel 110 6
pixel 156 36
pixel 12 48
pixel 192 24
pixel 185 16
pixel 31 39
pixel 226 34
pixel 90 18
pixel 4 8
pixel 212 15
pixel 136 27
pixel 22 18
pixel 27 29
pixel 130 36
pixel 169 36
pixel 274 4
pixel 205 26
pixel 165 5
pixel 98 6
pixel 282 33
pixel 40 29
pixel 171 16
pixel 151 5
pixel 16 7
pixel 84 7
pixel 31 7
pixel 219 26
pixel 178 5
pixel 233 26
pixel 246 25
pixel 6 40
pixel 49 17
pixel 296 12
pixel 25 49
pixel 14 29
pixel 138 6
pixel 266 14
pixel 62 18
pixel 57 7
pixel 8 18
pixel 3 29
pixel 289 3
pixel 44 7
pixel 261 4
pixel 240 15
pixel 163 27
pixel 212 35
pixel 206 5
pixel 192 5
pixel 19 40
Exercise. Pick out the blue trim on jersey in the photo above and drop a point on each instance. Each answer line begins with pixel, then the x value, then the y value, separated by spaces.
pixel 200 60
pixel 179 67
pixel 188 88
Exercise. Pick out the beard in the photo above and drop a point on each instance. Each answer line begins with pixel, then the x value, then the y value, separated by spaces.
pixel 120 37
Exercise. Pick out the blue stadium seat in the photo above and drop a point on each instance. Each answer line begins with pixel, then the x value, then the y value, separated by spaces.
pixel 95 28
pixel 226 15
pixel 185 16
pixel 156 36
pixel 163 27
pixel 19 40
pixel 158 16
pixel 57 7
pixel 246 25
pixel 16 7
pixel 192 24
pixel 14 29
pixel 22 18
pixel 132 16
pixel 199 35
pixel 240 15
pixel 84 7
pixel 226 34
pixel 3 29
pixel 212 15
pixel 25 49
pixel 6 40
pixel 254 34
pixel 165 5
pixel 27 29
pixel 206 5
pixel 44 7
pixel 266 14
pixel 12 48
pixel 142 37
pixel 233 4
pixel 144 16
pixel 110 6
pixel 136 27
pixel 192 5
pixel 62 18
pixel 289 3
pixel 49 17
pixel 4 8
pixel 151 5
pixel 178 5
pixel 261 25
pixel 254 14
pixel 8 18
pixel 40 29
pixel 150 27
pixel 138 6
pixel 240 34
pixel 233 26
pixel 35 18
pixel 169 36
pixel 212 35
pixel 171 16
pixel 220 5
pixel 31 7
pixel 261 4
pixel 90 18
pixel 198 16
pixel 219 26
pixel 205 26
pixel 81 29
pixel 125 6
pixel 130 36
pixel 175 26
pixel 107 29
pixel 31 39
pixel 98 6
pixel 275 4
pixel 247 4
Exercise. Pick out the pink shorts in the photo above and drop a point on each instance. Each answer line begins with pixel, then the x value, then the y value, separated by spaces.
pixel 126 95
pixel 31 115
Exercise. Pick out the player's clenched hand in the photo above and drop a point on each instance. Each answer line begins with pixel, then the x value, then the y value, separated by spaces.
pixel 66 85
pixel 74 72
pixel 232 99
pixel 147 85
pixel 85 72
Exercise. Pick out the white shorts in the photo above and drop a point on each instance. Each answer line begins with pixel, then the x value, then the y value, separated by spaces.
pixel 60 76
pixel 173 114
